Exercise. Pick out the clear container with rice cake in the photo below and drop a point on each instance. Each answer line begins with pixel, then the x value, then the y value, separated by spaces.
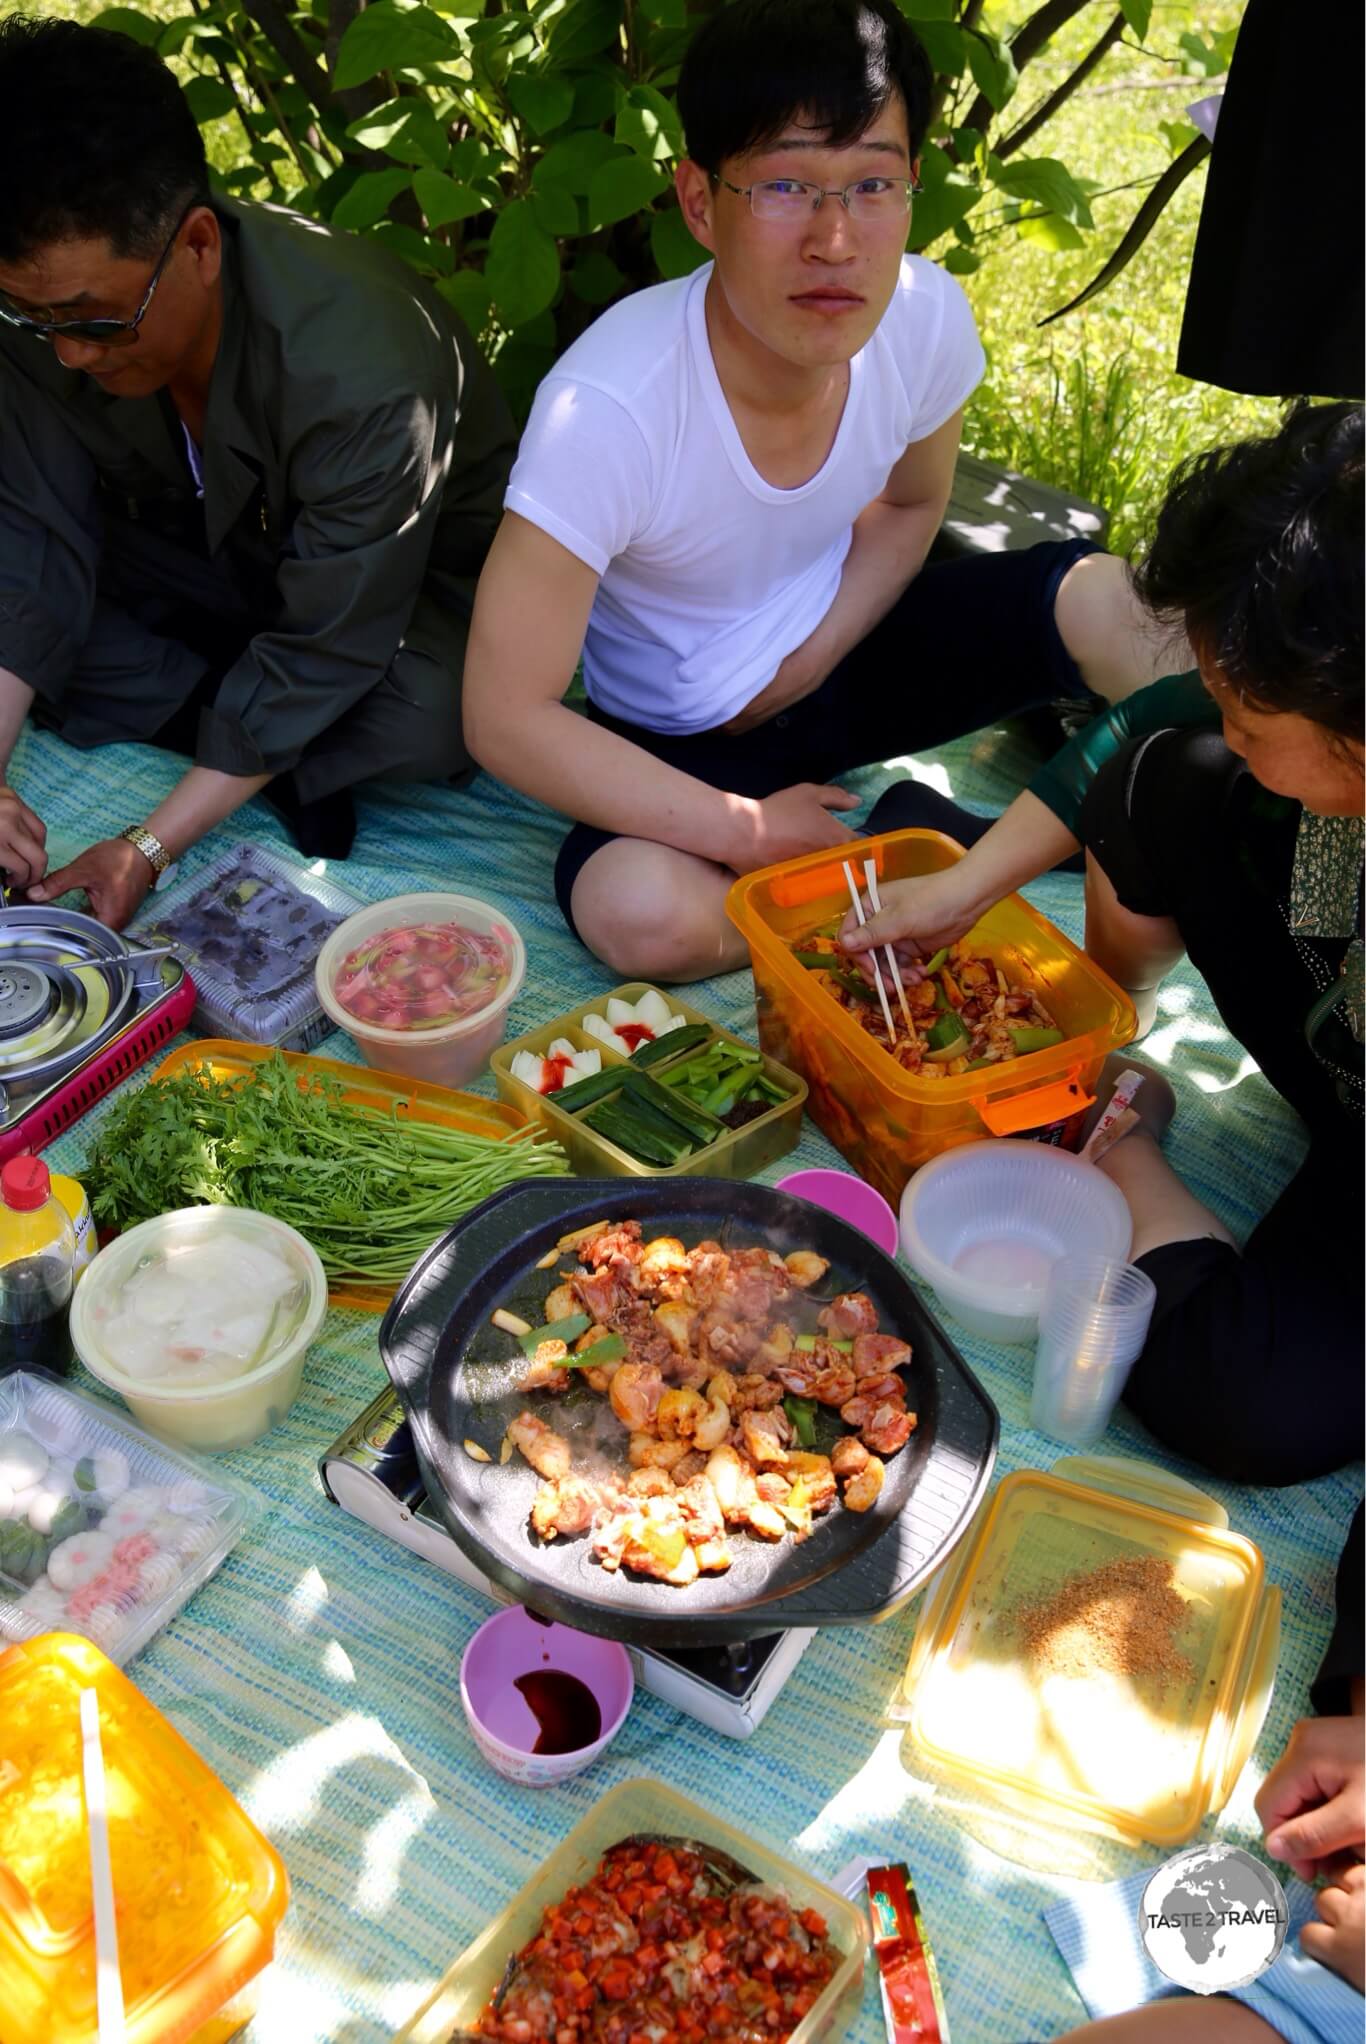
pixel 1098 1653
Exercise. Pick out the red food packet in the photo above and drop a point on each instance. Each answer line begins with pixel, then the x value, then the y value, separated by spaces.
pixel 912 2003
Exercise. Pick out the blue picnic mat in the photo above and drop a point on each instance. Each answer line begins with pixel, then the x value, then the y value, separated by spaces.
pixel 317 1672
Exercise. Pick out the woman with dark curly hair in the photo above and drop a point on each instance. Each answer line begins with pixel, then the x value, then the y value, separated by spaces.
pixel 1241 847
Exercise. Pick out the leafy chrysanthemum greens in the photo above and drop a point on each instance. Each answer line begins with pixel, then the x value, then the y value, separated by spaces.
pixel 369 1190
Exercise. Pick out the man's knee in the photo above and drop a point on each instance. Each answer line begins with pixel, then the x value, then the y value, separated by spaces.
pixel 638 913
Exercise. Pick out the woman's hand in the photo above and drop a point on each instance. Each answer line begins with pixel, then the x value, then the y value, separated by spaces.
pixel 1313 1803
pixel 917 918
pixel 1339 1938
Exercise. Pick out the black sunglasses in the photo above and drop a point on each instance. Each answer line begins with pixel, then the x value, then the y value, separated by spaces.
pixel 107 333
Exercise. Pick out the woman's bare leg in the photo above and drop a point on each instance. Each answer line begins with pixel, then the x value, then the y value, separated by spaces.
pixel 1138 951
pixel 1115 641
pixel 1181 2019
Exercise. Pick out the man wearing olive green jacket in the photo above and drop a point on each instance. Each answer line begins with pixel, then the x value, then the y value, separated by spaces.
pixel 249 469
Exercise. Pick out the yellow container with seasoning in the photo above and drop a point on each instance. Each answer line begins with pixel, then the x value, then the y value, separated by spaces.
pixel 1097 1654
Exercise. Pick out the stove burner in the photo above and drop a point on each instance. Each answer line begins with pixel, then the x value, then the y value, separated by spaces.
pixel 27 997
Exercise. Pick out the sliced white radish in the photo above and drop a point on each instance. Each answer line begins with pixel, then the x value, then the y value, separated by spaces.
pixel 593 1025
pixel 527 1067
pixel 561 1047
pixel 621 1011
pixel 674 1022
pixel 652 1009
pixel 584 1063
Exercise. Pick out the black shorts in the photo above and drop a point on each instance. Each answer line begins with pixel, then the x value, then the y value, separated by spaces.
pixel 972 640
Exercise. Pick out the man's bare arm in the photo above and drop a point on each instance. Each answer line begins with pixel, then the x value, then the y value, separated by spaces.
pixel 530 617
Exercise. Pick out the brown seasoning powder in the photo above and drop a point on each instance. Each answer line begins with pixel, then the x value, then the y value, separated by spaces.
pixel 1120 1619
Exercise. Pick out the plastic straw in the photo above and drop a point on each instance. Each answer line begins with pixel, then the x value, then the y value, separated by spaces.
pixel 857 900
pixel 108 1978
pixel 870 878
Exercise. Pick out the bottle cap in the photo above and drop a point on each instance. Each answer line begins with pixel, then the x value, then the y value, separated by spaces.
pixel 24 1184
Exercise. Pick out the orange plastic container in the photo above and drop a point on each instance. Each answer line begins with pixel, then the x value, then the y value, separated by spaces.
pixel 888 1121
pixel 198 1892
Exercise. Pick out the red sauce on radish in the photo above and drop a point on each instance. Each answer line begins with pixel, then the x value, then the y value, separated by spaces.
pixel 633 1034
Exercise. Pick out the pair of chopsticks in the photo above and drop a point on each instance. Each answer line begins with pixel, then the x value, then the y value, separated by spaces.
pixel 870 882
pixel 108 1977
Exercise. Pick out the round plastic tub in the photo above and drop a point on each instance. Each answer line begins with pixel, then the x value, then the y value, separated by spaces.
pixel 235 1409
pixel 984 1224
pixel 513 1645
pixel 446 1054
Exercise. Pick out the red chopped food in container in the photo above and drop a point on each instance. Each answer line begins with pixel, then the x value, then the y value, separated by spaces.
pixel 663 1942
pixel 424 975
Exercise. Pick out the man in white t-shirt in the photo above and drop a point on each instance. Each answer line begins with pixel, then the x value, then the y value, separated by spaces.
pixel 724 496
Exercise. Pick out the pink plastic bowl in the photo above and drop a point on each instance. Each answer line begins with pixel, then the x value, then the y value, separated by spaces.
pixel 505 1728
pixel 849 1199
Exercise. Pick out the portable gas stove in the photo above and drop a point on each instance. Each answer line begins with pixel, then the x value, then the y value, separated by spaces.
pixel 372 1473
pixel 74 1019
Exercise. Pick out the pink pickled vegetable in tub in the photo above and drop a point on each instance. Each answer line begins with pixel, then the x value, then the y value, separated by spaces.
pixel 423 975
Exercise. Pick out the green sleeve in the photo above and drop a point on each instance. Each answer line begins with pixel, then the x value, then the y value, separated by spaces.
pixel 1061 785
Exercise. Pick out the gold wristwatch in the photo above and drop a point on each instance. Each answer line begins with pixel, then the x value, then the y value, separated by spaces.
pixel 151 847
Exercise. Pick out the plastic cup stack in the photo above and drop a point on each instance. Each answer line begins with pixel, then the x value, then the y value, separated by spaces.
pixel 1092 1326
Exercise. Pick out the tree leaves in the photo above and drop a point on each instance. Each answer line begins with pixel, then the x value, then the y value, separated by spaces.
pixel 571 163
pixel 675 252
pixel 128 21
pixel 584 28
pixel 209 99
pixel 523 267
pixel 947 196
pixel 649 124
pixel 1138 14
pixel 544 100
pixel 443 200
pixel 992 67
pixel 387 37
pixel 1048 183
pixel 369 198
pixel 405 129
pixel 620 188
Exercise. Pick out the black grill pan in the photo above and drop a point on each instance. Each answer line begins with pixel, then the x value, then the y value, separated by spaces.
pixel 450 1369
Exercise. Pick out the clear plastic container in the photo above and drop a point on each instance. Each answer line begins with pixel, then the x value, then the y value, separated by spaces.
pixel 158 1275
pixel 37 1269
pixel 148 1525
pixel 1094 1322
pixel 641 1806
pixel 888 1121
pixel 198 1891
pixel 1072 1742
pixel 250 927
pixel 447 1054
pixel 985 1224
pixel 739 1153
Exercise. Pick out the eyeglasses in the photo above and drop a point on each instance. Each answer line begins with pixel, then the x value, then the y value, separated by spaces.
pixel 870 199
pixel 107 333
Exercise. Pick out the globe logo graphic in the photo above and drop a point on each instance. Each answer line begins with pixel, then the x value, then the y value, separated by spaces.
pixel 1212 1918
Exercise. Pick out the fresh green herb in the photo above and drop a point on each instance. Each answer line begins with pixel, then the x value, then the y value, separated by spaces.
pixel 556 1330
pixel 608 1350
pixel 802 1413
pixel 371 1192
pixel 806 1343
pixel 937 963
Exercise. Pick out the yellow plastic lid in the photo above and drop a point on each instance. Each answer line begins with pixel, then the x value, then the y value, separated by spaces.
pixel 197 1891
pixel 1096 1653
